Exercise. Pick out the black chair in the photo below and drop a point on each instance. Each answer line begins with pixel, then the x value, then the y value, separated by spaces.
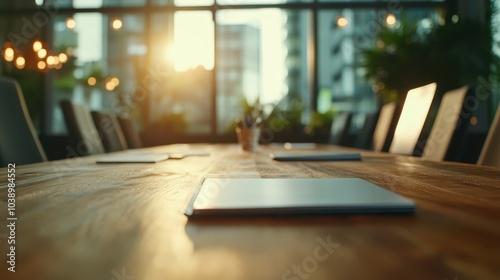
pixel 81 129
pixel 131 136
pixel 110 131
pixel 490 154
pixel 365 138
pixel 19 141
pixel 340 129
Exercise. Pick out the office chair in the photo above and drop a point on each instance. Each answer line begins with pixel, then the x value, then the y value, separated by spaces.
pixel 81 129
pixel 110 131
pixel 340 129
pixel 131 136
pixel 490 153
pixel 19 142
pixel 412 119
pixel 450 124
pixel 365 137
pixel 383 126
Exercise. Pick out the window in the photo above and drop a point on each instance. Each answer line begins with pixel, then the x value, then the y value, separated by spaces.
pixel 101 50
pixel 184 66
pixel 256 52
pixel 181 100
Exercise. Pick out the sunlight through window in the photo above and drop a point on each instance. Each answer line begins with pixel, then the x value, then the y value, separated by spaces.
pixel 193 41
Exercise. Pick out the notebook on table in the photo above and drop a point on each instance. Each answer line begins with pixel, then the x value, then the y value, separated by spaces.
pixel 295 146
pixel 181 155
pixel 133 158
pixel 314 156
pixel 287 196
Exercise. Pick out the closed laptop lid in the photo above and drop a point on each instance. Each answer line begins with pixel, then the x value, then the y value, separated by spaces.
pixel 282 196
pixel 132 158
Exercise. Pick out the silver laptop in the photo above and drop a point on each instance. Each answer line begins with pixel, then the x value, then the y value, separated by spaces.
pixel 315 156
pixel 132 158
pixel 287 196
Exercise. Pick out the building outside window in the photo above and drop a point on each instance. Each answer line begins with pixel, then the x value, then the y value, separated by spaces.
pixel 183 67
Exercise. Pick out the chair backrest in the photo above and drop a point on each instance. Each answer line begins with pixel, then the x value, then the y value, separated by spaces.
pixel 383 124
pixel 81 129
pixel 340 128
pixel 490 154
pixel 131 135
pixel 110 131
pixel 412 119
pixel 365 137
pixel 445 125
pixel 19 142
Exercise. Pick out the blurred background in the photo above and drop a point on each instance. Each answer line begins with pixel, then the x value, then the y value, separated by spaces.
pixel 184 70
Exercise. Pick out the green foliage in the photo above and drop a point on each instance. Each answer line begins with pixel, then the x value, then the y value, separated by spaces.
pixel 399 60
pixel 459 53
pixel 452 55
pixel 319 122
pixel 67 83
pixel 286 115
pixel 254 110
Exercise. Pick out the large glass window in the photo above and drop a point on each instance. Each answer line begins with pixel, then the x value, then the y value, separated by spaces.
pixel 262 56
pixel 97 57
pixel 392 3
pixel 342 37
pixel 96 3
pixel 193 2
pixel 242 2
pixel 185 52
pixel 183 3
pixel 185 66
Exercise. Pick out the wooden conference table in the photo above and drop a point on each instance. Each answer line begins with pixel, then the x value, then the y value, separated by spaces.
pixel 80 220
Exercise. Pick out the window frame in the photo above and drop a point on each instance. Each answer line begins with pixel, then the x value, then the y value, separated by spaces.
pixel 150 8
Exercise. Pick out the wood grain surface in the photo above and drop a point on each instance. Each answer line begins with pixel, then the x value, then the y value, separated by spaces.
pixel 82 220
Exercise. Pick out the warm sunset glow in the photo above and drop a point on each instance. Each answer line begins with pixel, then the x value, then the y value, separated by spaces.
pixel 91 81
pixel 37 45
pixel 70 23
pixel 20 62
pixel 116 24
pixel 391 20
pixel 342 22
pixel 193 41
pixel 41 65
pixel 42 53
